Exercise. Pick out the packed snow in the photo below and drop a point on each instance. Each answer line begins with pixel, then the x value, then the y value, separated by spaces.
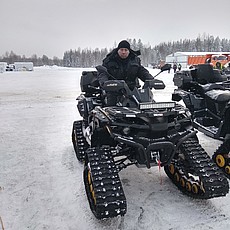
pixel 41 185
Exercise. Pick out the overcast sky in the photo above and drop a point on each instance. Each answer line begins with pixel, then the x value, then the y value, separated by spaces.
pixel 52 27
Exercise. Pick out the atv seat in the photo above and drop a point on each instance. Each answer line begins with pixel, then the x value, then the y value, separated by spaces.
pixel 211 86
pixel 219 95
pixel 205 74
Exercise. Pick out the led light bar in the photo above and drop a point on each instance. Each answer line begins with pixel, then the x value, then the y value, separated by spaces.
pixel 157 105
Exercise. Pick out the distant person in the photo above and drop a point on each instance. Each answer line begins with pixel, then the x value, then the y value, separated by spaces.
pixel 179 67
pixel 123 63
pixel 174 67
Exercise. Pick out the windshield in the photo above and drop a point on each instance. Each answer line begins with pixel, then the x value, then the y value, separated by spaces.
pixel 220 58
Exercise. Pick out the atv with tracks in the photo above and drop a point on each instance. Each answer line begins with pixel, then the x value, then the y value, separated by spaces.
pixel 137 131
pixel 206 93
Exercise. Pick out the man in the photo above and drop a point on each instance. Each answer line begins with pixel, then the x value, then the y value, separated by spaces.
pixel 174 67
pixel 123 63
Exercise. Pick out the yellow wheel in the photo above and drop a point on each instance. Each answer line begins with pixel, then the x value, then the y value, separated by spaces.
pixel 91 187
pixel 188 186
pixel 182 182
pixel 177 177
pixel 227 169
pixel 171 169
pixel 195 188
pixel 220 161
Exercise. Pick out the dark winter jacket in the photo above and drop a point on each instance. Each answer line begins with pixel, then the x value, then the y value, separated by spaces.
pixel 129 69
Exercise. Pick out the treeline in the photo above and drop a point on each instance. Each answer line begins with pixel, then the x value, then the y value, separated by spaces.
pixel 11 57
pixel 149 55
pixel 84 58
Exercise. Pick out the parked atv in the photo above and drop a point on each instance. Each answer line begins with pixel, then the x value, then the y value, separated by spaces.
pixel 205 92
pixel 137 131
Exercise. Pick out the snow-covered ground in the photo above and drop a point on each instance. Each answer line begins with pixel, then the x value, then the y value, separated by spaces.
pixel 41 184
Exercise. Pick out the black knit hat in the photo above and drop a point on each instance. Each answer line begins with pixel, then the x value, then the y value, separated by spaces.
pixel 123 44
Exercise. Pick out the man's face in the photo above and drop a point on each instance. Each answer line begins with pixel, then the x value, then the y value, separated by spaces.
pixel 123 53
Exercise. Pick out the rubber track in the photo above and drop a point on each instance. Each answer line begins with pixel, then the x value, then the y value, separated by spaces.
pixel 209 179
pixel 109 194
pixel 80 145
pixel 224 150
